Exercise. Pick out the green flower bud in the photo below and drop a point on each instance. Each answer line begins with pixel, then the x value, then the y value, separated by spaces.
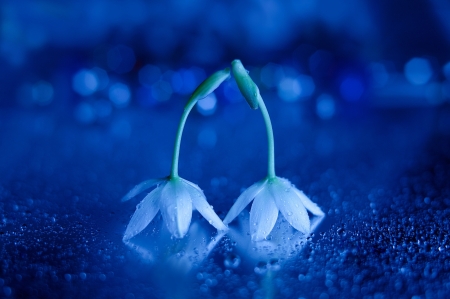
pixel 210 84
pixel 246 85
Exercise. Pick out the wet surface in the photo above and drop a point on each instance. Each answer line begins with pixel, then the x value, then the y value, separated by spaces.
pixel 380 176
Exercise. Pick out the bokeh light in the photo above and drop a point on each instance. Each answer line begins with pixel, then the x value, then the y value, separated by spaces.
pixel 325 106
pixel 291 89
pixel 119 95
pixel 85 82
pixel 446 70
pixel 207 105
pixel 418 71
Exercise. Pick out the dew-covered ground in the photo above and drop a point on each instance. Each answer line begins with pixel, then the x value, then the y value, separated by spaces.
pixel 381 177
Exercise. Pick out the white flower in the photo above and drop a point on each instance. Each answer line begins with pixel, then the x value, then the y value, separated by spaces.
pixel 176 198
pixel 270 196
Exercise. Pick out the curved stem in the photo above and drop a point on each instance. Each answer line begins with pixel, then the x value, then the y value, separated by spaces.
pixel 270 140
pixel 176 150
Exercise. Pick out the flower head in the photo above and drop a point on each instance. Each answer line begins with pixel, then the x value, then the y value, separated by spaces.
pixel 175 198
pixel 270 196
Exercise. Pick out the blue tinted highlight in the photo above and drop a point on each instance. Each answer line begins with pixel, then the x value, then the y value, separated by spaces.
pixel 446 70
pixel 119 95
pixel 85 82
pixel 325 106
pixel 207 105
pixel 418 71
pixel 292 89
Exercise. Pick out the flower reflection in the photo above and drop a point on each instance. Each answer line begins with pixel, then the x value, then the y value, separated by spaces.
pixel 282 243
pixel 180 254
pixel 172 260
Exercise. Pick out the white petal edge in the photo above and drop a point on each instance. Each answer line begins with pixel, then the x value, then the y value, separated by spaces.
pixel 290 205
pixel 243 200
pixel 263 215
pixel 176 208
pixel 201 204
pixel 308 203
pixel 146 210
pixel 141 188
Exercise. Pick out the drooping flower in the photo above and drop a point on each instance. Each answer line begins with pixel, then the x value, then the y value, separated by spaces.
pixel 273 194
pixel 270 196
pixel 174 196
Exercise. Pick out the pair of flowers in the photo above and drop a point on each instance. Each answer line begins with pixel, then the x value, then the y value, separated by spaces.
pixel 176 197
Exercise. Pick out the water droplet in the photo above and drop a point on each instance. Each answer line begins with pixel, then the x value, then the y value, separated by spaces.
pixel 232 260
pixel 261 268
pixel 274 264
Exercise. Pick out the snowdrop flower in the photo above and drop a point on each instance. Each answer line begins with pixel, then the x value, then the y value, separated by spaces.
pixel 174 196
pixel 272 194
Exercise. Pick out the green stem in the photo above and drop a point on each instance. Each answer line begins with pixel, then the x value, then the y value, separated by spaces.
pixel 176 150
pixel 270 140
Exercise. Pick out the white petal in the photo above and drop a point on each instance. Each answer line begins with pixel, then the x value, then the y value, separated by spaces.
pixel 243 200
pixel 140 188
pixel 145 212
pixel 176 208
pixel 309 205
pixel 290 205
pixel 263 215
pixel 199 202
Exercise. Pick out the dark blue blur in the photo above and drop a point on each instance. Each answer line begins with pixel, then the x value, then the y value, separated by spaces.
pixel 107 55
pixel 91 93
